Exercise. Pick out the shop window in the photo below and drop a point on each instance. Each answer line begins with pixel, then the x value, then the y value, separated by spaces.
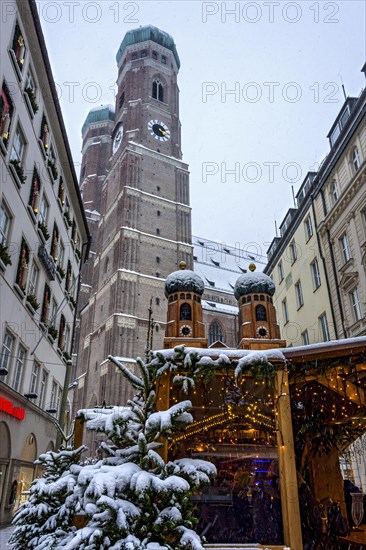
pixel 185 312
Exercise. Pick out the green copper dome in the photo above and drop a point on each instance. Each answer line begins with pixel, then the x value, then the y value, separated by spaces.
pixel 148 33
pixel 254 282
pixel 184 280
pixel 98 114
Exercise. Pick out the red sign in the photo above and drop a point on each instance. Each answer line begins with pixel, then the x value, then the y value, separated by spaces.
pixel 8 408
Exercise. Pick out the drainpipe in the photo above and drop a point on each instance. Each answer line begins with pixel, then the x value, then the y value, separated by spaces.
pixel 325 269
pixel 69 366
pixel 336 283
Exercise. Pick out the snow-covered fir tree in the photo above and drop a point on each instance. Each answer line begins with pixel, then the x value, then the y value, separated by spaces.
pixel 132 499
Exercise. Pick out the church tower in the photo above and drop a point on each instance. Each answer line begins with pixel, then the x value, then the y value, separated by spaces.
pixel 258 327
pixel 183 289
pixel 145 217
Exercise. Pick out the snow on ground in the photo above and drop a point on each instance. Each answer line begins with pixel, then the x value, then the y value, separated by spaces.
pixel 5 534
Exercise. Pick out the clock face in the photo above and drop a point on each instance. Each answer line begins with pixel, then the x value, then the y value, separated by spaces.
pixel 159 130
pixel 185 330
pixel 117 139
pixel 262 331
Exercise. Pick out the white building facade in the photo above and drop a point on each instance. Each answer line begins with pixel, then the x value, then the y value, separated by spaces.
pixel 44 241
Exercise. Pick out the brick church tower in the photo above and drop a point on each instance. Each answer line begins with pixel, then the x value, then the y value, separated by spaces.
pixel 145 218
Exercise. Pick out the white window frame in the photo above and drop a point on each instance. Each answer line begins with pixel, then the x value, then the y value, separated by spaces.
pixel 43 387
pixel 345 247
pixel 356 159
pixel 334 192
pixel 356 305
pixel 33 279
pixel 44 208
pixel 7 352
pixel 285 311
pixel 280 271
pixel 323 321
pixel 293 251
pixel 18 146
pixel 5 223
pixel 309 232
pixel 33 384
pixel 53 394
pixel 60 252
pixel 315 273
pixel 19 368
pixel 305 337
pixel 299 294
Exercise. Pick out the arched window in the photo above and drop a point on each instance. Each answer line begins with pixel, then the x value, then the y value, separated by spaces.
pixel 260 313
pixel 158 90
pixel 356 161
pixel 215 333
pixel 185 312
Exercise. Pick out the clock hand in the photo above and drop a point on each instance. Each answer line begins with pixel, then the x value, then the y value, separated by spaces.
pixel 163 132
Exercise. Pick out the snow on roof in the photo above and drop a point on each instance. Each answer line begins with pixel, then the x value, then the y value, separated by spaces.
pixel 184 279
pixel 220 308
pixel 220 264
pixel 253 282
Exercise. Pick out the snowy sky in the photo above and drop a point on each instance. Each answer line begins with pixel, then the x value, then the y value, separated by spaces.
pixel 282 61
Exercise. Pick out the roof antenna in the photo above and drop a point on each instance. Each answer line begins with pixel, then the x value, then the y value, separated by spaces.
pixel 293 196
pixel 276 230
pixel 343 88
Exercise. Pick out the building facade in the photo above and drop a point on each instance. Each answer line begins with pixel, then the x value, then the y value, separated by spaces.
pixel 318 262
pixel 43 245
pixel 145 218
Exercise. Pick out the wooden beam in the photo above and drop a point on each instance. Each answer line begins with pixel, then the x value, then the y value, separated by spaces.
pixel 287 465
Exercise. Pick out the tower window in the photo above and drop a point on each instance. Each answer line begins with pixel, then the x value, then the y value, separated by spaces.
pixel 243 300
pixel 157 231
pixel 185 312
pixel 157 301
pixel 134 55
pixel 158 213
pixel 182 296
pixel 157 259
pixel 249 299
pixel 260 313
pixel 262 298
pixel 163 59
pixel 256 297
pixel 157 274
pixel 215 333
pixel 158 187
pixel 188 296
pixel 121 100
pixel 158 90
pixel 143 53
pixel 154 54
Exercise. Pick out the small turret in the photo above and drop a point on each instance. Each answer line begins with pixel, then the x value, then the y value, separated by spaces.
pixel 258 327
pixel 184 289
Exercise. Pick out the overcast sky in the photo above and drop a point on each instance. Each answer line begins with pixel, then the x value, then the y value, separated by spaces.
pixel 283 63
